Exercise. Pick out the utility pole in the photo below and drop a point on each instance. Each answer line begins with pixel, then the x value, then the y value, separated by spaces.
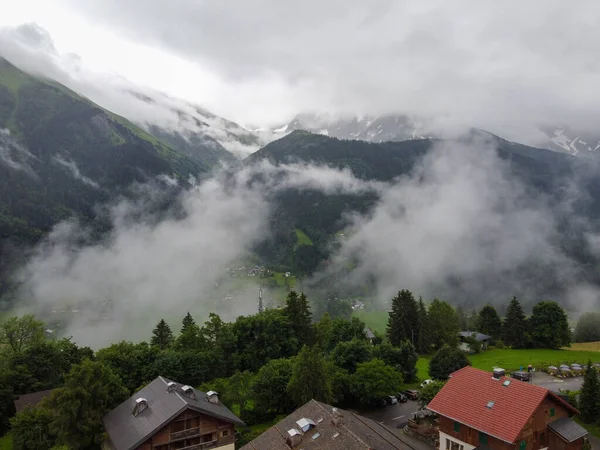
pixel 261 307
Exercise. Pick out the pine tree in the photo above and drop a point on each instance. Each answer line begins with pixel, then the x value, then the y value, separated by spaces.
pixel 423 343
pixel 462 318
pixel 515 325
pixel 489 322
pixel 589 399
pixel 403 318
pixel 162 336
pixel 298 312
pixel 190 337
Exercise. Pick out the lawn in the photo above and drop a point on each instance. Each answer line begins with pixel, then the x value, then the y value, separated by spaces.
pixel 302 238
pixel 510 359
pixel 6 442
pixel 375 320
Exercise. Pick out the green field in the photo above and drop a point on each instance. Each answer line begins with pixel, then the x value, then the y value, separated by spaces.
pixel 303 239
pixel 6 442
pixel 510 359
pixel 375 320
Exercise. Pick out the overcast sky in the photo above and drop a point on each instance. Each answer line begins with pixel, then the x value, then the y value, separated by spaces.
pixel 500 65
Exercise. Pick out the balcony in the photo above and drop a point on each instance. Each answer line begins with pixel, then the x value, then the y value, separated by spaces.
pixel 190 432
pixel 201 446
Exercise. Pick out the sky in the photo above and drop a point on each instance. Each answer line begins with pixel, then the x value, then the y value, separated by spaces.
pixel 505 66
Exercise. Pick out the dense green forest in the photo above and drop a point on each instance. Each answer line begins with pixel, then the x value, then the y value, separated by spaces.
pixel 262 365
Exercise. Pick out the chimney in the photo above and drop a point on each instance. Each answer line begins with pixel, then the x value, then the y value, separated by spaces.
pixel 498 373
pixel 336 416
pixel 212 397
pixel 294 437
pixel 171 386
pixel 188 391
pixel 140 405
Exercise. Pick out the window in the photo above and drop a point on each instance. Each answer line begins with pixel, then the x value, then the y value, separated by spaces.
pixel 552 412
pixel 451 445
pixel 457 427
pixel 523 445
pixel 225 433
pixel 483 438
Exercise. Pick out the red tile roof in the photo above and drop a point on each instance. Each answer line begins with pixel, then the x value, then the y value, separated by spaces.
pixel 466 395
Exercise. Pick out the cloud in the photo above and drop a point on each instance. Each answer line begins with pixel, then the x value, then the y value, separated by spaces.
pixel 508 67
pixel 75 172
pixel 463 228
pixel 460 226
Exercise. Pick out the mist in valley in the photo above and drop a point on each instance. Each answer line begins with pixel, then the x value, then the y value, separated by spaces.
pixel 460 227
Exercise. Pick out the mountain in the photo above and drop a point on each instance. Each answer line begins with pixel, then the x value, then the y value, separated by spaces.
pixel 364 128
pixel 323 216
pixel 61 155
pixel 577 143
pixel 399 127
pixel 191 129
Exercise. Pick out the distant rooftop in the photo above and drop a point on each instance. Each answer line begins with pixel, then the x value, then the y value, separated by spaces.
pixel 316 426
pixel 478 336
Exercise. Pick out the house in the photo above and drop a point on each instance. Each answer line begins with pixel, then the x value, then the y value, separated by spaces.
pixel 167 415
pixel 465 336
pixel 369 334
pixel 317 425
pixel 478 409
pixel 31 400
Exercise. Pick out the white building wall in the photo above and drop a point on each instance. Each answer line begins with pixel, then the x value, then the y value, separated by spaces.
pixel 444 437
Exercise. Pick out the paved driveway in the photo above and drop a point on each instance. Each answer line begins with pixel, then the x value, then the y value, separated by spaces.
pixel 393 416
pixel 555 384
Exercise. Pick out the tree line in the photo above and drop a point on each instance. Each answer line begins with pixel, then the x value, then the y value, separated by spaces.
pixel 430 328
pixel 262 365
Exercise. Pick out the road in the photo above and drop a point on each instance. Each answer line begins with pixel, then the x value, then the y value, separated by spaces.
pixel 555 384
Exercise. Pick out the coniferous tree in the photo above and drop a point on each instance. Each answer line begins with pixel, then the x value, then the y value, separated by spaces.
pixel 298 312
pixel 403 318
pixel 489 322
pixel 190 337
pixel 515 325
pixel 423 343
pixel 162 336
pixel 589 399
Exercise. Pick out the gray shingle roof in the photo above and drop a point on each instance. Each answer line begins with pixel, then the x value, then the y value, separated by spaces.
pixel 126 430
pixel 26 400
pixel 352 432
pixel 570 431
pixel 478 336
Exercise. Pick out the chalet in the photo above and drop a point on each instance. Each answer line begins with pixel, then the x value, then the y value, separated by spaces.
pixel 478 409
pixel 166 415
pixel 316 425
pixel 465 336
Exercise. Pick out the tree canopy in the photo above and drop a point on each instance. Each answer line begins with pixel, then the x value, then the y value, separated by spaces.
pixel 445 361
pixel 403 318
pixel 588 327
pixel 515 332
pixel 549 326
pixel 489 322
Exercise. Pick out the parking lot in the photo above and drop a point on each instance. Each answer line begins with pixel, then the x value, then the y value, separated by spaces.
pixel 555 384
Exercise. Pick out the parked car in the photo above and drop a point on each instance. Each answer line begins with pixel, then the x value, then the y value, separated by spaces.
pixel 412 394
pixel 521 375
pixel 391 400
pixel 426 382
pixel 401 397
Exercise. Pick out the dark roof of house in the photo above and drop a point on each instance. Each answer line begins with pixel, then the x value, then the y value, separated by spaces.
pixel 498 407
pixel 478 336
pixel 570 431
pixel 127 431
pixel 369 333
pixel 352 432
pixel 27 400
